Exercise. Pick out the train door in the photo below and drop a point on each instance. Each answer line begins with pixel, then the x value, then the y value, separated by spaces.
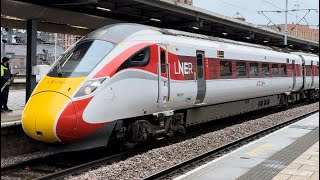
pixel 294 73
pixel 163 77
pixel 201 81
pixel 304 84
pixel 312 74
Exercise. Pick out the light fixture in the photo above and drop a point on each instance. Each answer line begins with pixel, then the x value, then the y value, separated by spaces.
pixel 154 19
pixel 250 35
pixel 103 9
pixel 195 28
pixel 265 41
pixel 79 27
pixel 224 33
pixel 12 18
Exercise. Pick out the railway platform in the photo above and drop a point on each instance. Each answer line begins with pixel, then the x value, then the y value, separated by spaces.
pixel 291 153
pixel 16 102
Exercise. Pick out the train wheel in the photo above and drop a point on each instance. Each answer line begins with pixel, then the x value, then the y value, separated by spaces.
pixel 312 96
pixel 285 102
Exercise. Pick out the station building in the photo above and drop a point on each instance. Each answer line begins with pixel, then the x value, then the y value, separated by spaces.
pixel 300 31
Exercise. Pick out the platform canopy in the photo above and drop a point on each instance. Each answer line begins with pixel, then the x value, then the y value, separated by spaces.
pixel 82 16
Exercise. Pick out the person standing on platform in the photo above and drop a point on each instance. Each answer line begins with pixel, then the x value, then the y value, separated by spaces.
pixel 6 80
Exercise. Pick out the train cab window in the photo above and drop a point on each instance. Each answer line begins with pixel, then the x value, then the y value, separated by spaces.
pixel 163 62
pixel 81 59
pixel 139 59
pixel 265 70
pixel 283 70
pixel 241 69
pixel 254 69
pixel 275 70
pixel 225 68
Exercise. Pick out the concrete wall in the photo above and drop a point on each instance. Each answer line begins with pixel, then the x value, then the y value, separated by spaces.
pixel 15 142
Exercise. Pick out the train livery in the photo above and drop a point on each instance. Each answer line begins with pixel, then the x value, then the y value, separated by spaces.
pixel 130 82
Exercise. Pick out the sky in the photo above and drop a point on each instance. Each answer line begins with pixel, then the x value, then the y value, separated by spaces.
pixel 249 10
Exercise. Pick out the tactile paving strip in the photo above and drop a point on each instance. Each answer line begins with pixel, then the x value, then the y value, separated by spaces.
pixel 277 162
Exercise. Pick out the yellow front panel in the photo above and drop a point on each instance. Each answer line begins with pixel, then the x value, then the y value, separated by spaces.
pixel 66 86
pixel 45 105
pixel 40 114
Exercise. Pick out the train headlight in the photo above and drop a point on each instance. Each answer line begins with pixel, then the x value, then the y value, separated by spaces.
pixel 89 87
pixel 87 90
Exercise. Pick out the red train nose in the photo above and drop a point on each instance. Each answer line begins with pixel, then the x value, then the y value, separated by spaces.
pixel 71 126
pixel 67 124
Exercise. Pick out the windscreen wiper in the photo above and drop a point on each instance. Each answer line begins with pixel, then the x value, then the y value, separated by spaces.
pixel 59 69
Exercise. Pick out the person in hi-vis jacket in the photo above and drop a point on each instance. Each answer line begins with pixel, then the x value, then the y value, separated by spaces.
pixel 6 79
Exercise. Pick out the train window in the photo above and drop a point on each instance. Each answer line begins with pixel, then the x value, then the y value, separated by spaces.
pixel 81 59
pixel 275 70
pixel 254 69
pixel 241 69
pixel 283 70
pixel 200 65
pixel 141 56
pixel 163 62
pixel 225 68
pixel 308 69
pixel 139 59
pixel 265 70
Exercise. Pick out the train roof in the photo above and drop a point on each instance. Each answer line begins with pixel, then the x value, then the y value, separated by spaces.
pixel 117 33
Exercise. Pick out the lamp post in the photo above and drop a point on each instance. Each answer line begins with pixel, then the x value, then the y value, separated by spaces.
pixel 296 30
pixel 286 25
pixel 55 46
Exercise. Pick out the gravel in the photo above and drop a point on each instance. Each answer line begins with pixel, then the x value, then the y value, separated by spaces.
pixel 11 160
pixel 155 160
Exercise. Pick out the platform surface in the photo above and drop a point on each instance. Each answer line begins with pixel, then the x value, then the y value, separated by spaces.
pixel 265 158
pixel 16 102
pixel 305 167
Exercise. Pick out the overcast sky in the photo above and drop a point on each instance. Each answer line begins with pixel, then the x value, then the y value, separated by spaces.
pixel 249 10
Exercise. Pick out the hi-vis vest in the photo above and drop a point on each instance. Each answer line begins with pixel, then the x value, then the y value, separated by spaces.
pixel 5 72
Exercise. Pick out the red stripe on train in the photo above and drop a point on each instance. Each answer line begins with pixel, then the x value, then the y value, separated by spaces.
pixel 111 68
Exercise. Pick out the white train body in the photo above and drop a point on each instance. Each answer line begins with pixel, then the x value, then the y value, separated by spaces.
pixel 150 72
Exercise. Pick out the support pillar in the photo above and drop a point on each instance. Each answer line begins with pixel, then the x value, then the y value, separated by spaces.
pixel 31 56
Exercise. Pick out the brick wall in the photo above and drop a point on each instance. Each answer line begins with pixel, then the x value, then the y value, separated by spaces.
pixel 301 31
pixel 190 2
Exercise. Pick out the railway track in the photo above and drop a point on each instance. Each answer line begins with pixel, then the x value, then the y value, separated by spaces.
pixel 196 161
pixel 41 169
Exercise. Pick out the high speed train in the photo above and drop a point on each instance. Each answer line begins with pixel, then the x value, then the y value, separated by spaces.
pixel 130 82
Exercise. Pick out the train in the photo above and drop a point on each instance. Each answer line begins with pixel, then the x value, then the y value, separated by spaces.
pixel 130 83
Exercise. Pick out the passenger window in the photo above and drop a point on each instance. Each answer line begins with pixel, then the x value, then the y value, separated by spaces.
pixel 254 70
pixel 265 70
pixel 139 59
pixel 225 68
pixel 308 68
pixel 163 62
pixel 241 69
pixel 275 70
pixel 283 70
